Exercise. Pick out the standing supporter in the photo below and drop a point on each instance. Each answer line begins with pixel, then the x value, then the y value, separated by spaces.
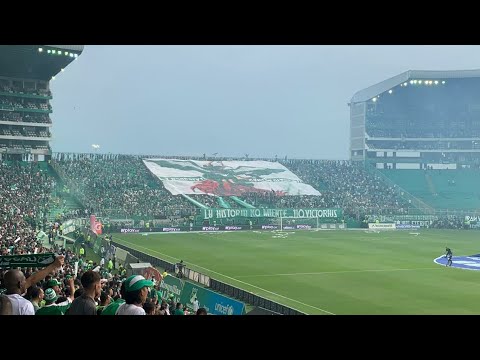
pixel 16 285
pixel 85 304
pixel 136 292
pixel 51 308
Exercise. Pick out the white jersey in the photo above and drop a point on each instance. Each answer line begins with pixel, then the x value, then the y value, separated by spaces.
pixel 130 309
pixel 20 306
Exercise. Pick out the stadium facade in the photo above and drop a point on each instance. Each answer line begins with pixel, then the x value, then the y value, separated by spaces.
pixel 418 120
pixel 25 75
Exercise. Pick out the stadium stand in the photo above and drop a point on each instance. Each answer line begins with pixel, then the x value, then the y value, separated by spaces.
pixel 120 187
pixel 443 189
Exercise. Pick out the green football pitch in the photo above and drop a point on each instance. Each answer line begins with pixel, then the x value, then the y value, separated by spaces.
pixel 332 272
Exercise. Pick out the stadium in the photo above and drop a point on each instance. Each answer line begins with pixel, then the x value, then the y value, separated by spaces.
pixel 235 236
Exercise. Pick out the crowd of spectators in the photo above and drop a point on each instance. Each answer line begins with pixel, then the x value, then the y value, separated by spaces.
pixel 25 192
pixel 121 184
pixel 119 187
pixel 342 184
pixel 448 222
pixel 26 197
pixel 425 145
pixel 59 288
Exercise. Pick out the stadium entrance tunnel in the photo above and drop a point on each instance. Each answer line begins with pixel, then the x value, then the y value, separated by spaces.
pixel 471 262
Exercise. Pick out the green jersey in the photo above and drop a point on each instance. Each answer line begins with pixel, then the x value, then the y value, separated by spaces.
pixel 113 307
pixel 178 312
pixel 55 309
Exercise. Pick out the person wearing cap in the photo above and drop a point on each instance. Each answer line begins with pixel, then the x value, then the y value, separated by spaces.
pixel 55 285
pixel 50 307
pixel 136 292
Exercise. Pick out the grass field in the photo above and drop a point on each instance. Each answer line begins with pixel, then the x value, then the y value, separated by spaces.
pixel 333 272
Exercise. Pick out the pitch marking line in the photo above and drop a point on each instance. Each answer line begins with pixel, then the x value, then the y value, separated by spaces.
pixel 231 278
pixel 338 272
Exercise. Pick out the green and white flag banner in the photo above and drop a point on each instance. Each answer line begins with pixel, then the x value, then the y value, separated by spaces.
pixel 227 178
pixel 28 260
pixel 305 213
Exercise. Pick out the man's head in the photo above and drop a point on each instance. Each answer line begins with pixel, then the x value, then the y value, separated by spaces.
pixel 149 308
pixel 91 281
pixel 104 299
pixel 14 282
pixel 136 289
pixel 36 293
pixel 202 311
pixel 79 292
pixel 55 285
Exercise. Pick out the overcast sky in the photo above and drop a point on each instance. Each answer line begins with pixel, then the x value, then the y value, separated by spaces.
pixel 231 100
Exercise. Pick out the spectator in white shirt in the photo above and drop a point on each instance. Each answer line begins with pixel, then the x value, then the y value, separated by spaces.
pixel 16 285
pixel 136 292
pixel 195 305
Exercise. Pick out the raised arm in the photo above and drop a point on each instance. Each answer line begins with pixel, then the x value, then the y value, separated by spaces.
pixel 71 285
pixel 40 275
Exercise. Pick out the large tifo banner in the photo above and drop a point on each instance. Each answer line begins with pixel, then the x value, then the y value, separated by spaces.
pixel 272 213
pixel 227 178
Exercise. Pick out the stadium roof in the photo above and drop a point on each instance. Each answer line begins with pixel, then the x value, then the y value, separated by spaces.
pixel 39 62
pixel 374 90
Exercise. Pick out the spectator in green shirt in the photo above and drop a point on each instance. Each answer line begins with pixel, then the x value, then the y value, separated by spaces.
pixel 50 307
pixel 179 309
